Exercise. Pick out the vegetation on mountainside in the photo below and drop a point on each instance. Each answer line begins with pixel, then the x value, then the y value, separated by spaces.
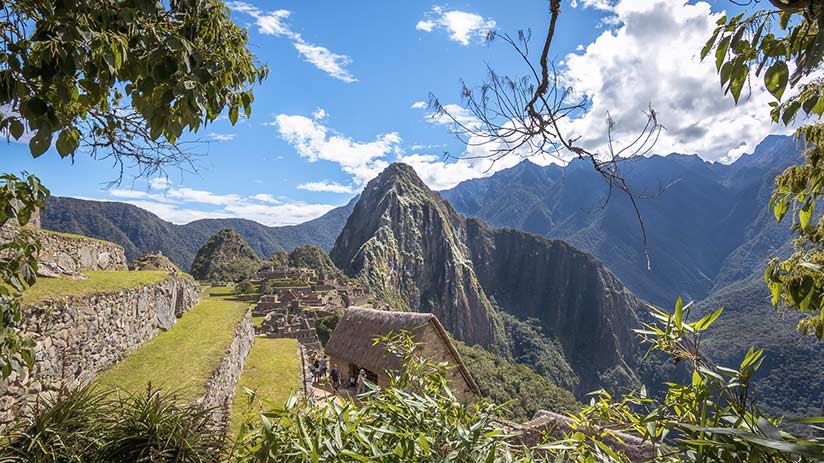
pixel 19 201
pixel 272 373
pixel 225 257
pixel 95 425
pixel 181 359
pixel 100 281
pixel 324 326
pixel 154 262
pixel 139 231
pixel 526 343
pixel 523 391
pixel 314 257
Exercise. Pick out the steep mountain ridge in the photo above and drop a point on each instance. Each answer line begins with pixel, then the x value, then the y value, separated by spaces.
pixel 417 253
pixel 139 231
pixel 403 240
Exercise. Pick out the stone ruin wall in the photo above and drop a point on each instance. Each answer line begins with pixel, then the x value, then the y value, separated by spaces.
pixel 221 385
pixel 73 252
pixel 79 336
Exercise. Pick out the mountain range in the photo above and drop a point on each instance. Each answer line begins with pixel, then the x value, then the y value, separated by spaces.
pixel 140 231
pixel 705 221
pixel 709 234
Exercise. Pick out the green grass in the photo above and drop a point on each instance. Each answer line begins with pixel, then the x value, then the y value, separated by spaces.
pixel 98 282
pixel 257 321
pixel 182 358
pixel 272 370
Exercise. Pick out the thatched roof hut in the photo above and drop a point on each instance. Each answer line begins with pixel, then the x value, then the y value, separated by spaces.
pixel 351 344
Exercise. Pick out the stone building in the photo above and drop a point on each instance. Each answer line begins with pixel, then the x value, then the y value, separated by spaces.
pixel 351 346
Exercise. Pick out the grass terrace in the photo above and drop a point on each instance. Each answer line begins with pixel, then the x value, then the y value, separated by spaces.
pixel 182 358
pixel 98 282
pixel 257 321
pixel 272 370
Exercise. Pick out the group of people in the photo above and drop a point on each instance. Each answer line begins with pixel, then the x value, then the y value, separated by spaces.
pixel 320 371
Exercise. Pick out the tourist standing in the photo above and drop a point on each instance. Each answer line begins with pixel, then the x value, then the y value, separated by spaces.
pixel 361 382
pixel 316 370
pixel 324 367
pixel 335 376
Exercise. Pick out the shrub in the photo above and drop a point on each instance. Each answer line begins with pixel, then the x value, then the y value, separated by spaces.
pixel 93 425
pixel 714 417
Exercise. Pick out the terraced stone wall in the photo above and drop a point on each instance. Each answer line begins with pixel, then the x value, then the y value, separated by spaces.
pixel 79 336
pixel 221 386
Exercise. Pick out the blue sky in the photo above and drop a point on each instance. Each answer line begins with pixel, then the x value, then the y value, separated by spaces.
pixel 348 80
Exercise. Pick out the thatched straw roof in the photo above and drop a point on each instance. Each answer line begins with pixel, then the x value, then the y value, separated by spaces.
pixel 352 339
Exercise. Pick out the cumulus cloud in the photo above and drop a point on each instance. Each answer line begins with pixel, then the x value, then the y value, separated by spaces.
pixel 325 186
pixel 314 141
pixel 418 105
pixel 183 205
pixel 275 23
pixel 652 57
pixel 462 26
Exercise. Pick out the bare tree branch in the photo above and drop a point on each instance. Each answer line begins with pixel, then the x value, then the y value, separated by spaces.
pixel 525 116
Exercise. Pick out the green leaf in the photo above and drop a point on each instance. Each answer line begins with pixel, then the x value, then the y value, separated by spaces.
pixel 790 112
pixel 68 141
pixel 721 52
pixel 679 312
pixel 776 79
pixel 708 46
pixel 16 128
pixel 708 320
pixel 233 114
pixel 739 76
pixel 805 214
pixel 40 142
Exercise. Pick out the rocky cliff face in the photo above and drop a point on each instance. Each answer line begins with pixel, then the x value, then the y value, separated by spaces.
pixel 406 243
pixel 417 253
pixel 225 257
pixel 580 304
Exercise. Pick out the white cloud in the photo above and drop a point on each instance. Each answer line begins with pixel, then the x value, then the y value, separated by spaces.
pixel 314 141
pixel 651 57
pixel 221 136
pixel 320 114
pixel 274 23
pixel 330 187
pixel 266 198
pixel 159 183
pixel 323 59
pixel 462 26
pixel 183 205
pixel 605 5
pixel 418 105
